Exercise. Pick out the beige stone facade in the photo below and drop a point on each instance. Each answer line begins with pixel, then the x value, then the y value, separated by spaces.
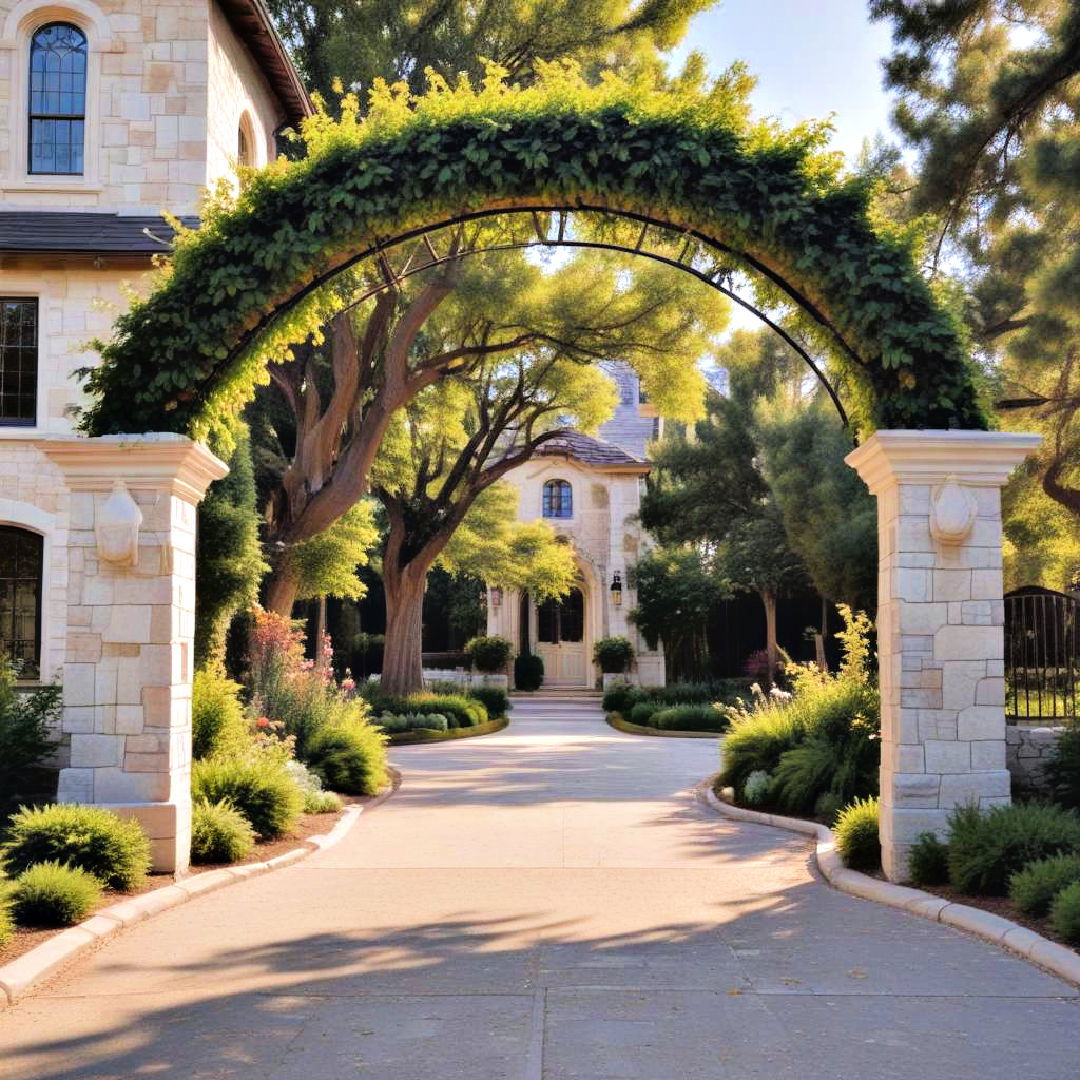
pixel 173 92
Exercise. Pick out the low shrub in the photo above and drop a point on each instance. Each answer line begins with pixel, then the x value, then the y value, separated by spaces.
pixel 219 833
pixel 322 802
pixel 25 736
pixel 494 699
pixel 460 711
pixel 489 654
pixel 528 672
pixel 259 787
pixel 218 723
pixel 413 722
pixel 1033 888
pixel 1065 914
pixel 827 807
pixel 857 837
pixel 613 654
pixel 621 698
pixel 50 894
pixel 115 851
pixel 928 861
pixel 350 759
pixel 986 849
pixel 690 718
pixel 757 740
pixel 756 789
pixel 643 712
pixel 1062 771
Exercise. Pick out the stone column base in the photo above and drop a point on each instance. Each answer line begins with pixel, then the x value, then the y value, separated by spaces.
pixel 168 824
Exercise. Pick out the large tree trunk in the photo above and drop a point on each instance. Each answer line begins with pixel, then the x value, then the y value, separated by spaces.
pixel 281 587
pixel 403 666
pixel 772 652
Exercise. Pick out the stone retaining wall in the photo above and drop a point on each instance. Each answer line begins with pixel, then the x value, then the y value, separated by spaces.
pixel 1027 749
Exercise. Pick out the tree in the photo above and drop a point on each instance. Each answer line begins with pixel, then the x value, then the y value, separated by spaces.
pixel 229 564
pixel 712 490
pixel 676 590
pixel 829 518
pixel 989 99
pixel 454 441
pixel 355 42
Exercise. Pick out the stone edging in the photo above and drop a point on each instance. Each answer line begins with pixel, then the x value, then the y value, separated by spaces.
pixel 28 971
pixel 1058 959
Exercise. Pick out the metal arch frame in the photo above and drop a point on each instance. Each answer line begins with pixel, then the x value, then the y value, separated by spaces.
pixel 693 240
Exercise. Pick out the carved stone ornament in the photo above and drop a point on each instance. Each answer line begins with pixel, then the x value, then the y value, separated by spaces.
pixel 117 527
pixel 952 513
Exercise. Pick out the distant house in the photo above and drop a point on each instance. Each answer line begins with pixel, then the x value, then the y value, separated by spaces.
pixel 589 490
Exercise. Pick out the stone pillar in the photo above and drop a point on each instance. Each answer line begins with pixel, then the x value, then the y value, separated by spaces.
pixel 130 626
pixel 939 623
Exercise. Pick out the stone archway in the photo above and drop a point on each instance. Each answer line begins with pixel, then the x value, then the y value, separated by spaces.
pixel 247 286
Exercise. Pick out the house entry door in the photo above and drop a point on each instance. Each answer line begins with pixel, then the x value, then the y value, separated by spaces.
pixel 560 640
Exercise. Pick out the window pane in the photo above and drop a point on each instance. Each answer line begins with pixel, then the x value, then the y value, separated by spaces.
pixel 18 361
pixel 572 621
pixel 547 622
pixel 57 100
pixel 558 499
pixel 20 598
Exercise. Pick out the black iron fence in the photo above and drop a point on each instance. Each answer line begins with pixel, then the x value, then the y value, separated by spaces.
pixel 1042 656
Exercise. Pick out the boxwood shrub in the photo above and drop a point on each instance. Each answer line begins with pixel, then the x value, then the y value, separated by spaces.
pixel 494 699
pixel 1065 913
pixel 928 861
pixel 986 849
pixel 1033 888
pixel 96 840
pixel 528 672
pixel 50 894
pixel 259 788
pixel 219 833
pixel 857 837
pixel 690 718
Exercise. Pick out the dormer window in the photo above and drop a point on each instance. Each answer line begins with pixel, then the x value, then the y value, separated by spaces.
pixel 57 106
pixel 558 499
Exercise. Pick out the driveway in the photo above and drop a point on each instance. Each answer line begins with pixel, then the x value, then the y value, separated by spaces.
pixel 547 903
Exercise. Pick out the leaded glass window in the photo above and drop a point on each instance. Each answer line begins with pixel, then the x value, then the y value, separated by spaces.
pixel 18 361
pixel 561 620
pixel 57 100
pixel 20 599
pixel 558 499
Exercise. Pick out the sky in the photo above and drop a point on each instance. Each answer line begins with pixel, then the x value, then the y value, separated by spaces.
pixel 812 58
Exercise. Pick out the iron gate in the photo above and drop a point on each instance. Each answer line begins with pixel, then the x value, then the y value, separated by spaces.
pixel 1042 655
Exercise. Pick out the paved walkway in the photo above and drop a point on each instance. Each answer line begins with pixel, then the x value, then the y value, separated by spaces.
pixel 546 904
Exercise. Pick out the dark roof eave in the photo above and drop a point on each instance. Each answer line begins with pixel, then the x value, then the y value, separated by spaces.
pixel 251 21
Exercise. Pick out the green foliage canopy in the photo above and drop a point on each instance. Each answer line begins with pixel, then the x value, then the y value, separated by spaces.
pixel 249 284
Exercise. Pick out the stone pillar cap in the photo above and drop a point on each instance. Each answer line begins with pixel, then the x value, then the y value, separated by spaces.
pixel 932 457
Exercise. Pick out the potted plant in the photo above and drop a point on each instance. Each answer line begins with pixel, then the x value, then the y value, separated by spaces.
pixel 490 656
pixel 614 655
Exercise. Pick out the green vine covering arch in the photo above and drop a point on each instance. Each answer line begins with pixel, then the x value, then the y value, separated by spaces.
pixel 248 284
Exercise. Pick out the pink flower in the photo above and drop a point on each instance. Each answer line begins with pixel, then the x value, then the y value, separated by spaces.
pixel 348 684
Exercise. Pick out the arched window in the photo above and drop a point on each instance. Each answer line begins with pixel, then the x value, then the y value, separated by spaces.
pixel 20 598
pixel 558 499
pixel 245 147
pixel 57 107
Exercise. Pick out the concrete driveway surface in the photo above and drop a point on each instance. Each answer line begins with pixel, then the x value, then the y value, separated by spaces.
pixel 548 903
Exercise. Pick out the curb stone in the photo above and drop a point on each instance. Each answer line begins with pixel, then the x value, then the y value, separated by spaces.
pixel 31 969
pixel 1055 958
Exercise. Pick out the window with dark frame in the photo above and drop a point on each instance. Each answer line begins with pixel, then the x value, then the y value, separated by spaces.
pixel 20 599
pixel 57 106
pixel 561 620
pixel 558 499
pixel 18 361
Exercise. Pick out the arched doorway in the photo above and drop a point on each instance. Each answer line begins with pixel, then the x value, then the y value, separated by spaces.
pixel 560 640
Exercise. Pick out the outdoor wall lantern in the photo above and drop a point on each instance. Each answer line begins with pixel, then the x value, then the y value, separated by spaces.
pixel 496 597
pixel 616 589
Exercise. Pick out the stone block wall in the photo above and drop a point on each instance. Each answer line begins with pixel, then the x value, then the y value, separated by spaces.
pixel 1027 750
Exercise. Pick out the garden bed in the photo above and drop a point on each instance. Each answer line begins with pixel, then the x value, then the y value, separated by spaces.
pixel 617 721
pixel 411 738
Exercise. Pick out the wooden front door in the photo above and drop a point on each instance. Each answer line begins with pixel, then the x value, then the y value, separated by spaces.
pixel 560 640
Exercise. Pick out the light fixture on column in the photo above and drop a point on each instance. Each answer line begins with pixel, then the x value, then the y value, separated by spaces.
pixel 616 589
pixel 496 597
